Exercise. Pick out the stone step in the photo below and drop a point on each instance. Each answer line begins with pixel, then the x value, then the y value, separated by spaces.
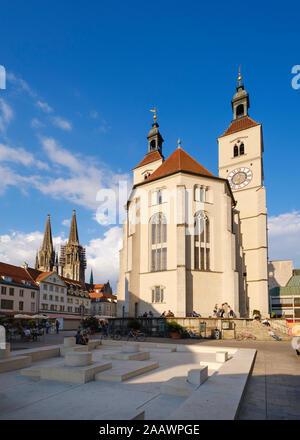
pixel 178 386
pixel 39 353
pixel 140 356
pixel 126 370
pixel 14 363
pixel 74 374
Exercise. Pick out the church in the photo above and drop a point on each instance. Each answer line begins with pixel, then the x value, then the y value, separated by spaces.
pixel 72 262
pixel 193 239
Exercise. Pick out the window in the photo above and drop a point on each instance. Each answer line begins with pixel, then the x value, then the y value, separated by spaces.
pixel 56 298
pixel 158 197
pixel 238 149
pixel 201 241
pixel 61 299
pixel 62 290
pixel 21 293
pixel 3 290
pixel 21 305
pixel 52 307
pixel 56 289
pixel 51 297
pixel 33 307
pixel 51 288
pixel 11 291
pixel 8 279
pixel 157 294
pixel 70 309
pixel 240 111
pixel 158 231
pixel 32 295
pixel 200 193
pixel 45 287
pixel 61 308
pixel 45 306
pixel 44 296
pixel 7 304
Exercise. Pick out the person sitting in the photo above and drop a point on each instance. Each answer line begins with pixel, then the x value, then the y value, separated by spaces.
pixel 145 315
pixel 266 322
pixel 195 314
pixel 170 314
pixel 85 338
pixel 163 315
pixel 271 333
pixel 79 338
pixel 230 312
pixel 150 314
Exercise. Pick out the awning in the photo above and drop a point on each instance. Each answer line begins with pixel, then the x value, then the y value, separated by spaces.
pixel 64 316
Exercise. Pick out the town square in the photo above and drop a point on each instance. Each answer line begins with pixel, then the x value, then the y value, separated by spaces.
pixel 150 220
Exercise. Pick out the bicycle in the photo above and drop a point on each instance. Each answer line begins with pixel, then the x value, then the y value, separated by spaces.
pixel 116 336
pixel 245 336
pixel 136 335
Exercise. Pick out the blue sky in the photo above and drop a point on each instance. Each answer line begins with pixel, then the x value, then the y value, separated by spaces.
pixel 81 78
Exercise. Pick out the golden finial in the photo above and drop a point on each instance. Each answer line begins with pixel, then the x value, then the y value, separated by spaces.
pixel 155 115
pixel 240 76
pixel 179 143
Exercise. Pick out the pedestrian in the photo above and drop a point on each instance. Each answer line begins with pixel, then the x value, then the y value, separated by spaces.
pixel 271 333
pixel 47 326
pixel 57 326
pixel 230 312
pixel 215 311
pixel 225 308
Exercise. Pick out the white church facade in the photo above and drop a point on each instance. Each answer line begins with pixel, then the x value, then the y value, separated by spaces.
pixel 192 239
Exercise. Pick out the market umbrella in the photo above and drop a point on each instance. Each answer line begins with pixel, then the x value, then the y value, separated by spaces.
pixel 23 316
pixel 40 317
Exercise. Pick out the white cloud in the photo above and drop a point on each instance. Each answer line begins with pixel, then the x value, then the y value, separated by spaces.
pixel 62 123
pixel 284 237
pixel 66 222
pixel 36 123
pixel 103 256
pixel 44 106
pixel 59 155
pixel 19 155
pixel 6 115
pixel 104 127
pixel 20 83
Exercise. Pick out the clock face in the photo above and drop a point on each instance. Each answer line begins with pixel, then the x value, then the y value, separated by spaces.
pixel 239 178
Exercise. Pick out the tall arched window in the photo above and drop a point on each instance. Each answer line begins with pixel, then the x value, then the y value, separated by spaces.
pixel 201 241
pixel 235 151
pixel 240 111
pixel 242 149
pixel 152 145
pixel 158 240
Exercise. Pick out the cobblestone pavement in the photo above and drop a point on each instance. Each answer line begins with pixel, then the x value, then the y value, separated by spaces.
pixel 273 390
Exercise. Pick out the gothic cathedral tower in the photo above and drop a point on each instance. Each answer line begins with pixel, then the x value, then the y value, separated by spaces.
pixel 45 257
pixel 72 257
pixel 240 161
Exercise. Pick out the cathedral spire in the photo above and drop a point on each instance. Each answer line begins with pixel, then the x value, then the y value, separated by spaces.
pixel 73 237
pixel 47 242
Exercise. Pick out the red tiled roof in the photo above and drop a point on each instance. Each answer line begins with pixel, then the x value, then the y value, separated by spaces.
pixel 179 161
pixel 101 295
pixel 150 157
pixel 16 273
pixel 240 124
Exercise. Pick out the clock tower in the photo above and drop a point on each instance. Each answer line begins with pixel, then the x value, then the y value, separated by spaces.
pixel 240 161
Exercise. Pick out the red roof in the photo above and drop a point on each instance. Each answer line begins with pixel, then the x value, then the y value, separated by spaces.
pixel 102 295
pixel 16 273
pixel 240 124
pixel 179 161
pixel 150 157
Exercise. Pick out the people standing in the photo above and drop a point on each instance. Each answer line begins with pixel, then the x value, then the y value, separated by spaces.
pixel 215 311
pixel 47 326
pixel 57 326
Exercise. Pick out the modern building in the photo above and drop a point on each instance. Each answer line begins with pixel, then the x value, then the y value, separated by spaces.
pixel 193 239
pixel 19 292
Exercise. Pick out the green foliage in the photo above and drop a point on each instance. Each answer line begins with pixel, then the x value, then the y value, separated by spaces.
pixel 134 324
pixel 90 322
pixel 256 312
pixel 174 327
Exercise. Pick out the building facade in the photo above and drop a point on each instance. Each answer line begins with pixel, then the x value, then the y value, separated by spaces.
pixel 192 239
pixel 19 293
pixel 103 302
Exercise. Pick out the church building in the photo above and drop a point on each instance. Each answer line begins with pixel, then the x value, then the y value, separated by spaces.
pixel 72 262
pixel 193 239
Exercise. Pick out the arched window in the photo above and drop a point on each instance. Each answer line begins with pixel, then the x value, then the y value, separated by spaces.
pixel 157 294
pixel 240 111
pixel 201 241
pixel 158 240
pixel 242 149
pixel 152 145
pixel 235 151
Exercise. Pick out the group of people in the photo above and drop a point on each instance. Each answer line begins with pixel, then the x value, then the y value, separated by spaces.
pixel 147 314
pixel 52 326
pixel 82 338
pixel 167 315
pixel 225 311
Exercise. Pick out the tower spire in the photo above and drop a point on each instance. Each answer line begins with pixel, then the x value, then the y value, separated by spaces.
pixel 154 137
pixel 47 242
pixel 240 102
pixel 73 237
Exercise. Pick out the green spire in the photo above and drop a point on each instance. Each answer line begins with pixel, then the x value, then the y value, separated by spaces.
pixel 92 278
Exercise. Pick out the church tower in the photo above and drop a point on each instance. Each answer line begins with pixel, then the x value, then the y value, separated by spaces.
pixel 45 257
pixel 241 162
pixel 72 258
